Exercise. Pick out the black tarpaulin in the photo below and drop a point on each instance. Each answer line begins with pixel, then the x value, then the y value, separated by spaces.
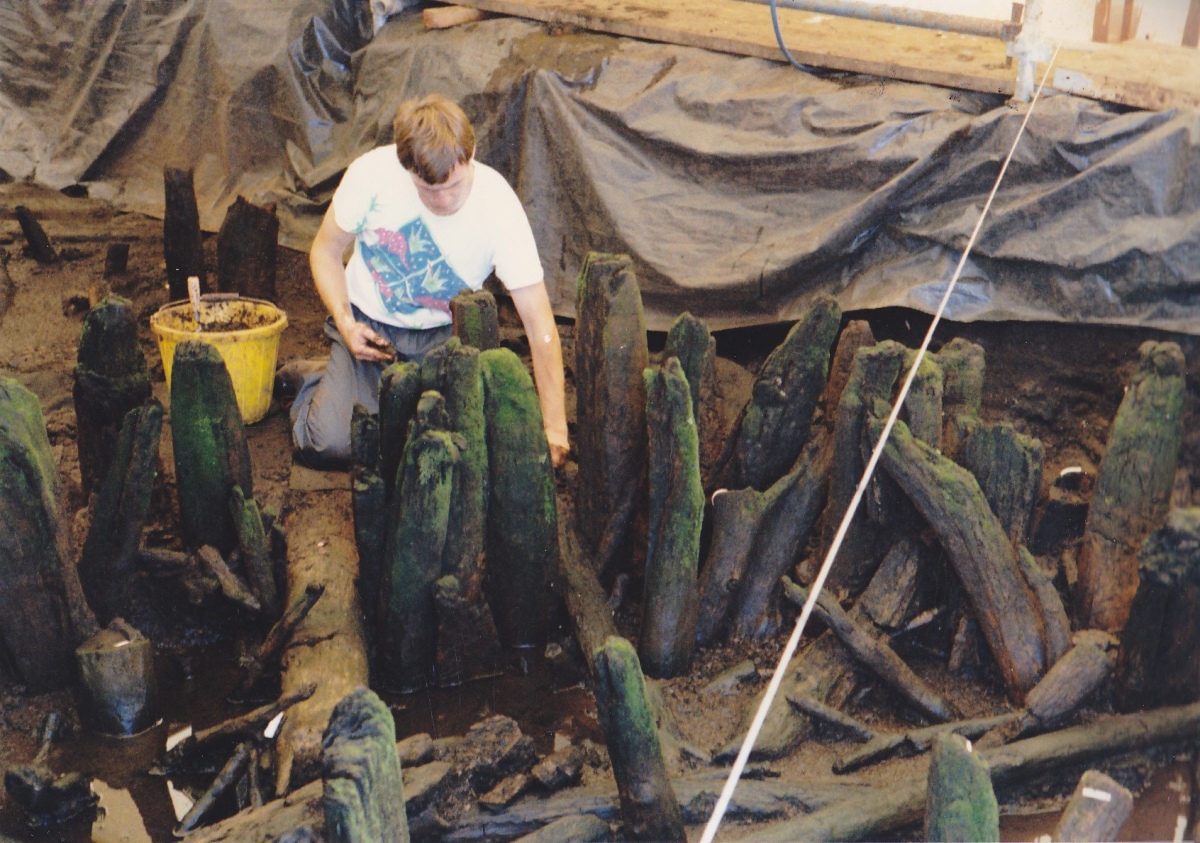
pixel 741 187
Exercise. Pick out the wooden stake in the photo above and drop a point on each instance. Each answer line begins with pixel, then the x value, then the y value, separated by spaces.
pixel 476 321
pixel 279 635
pixel 1008 466
pixel 962 805
pixel 399 392
pixel 39 244
pixel 690 341
pixel 256 557
pixel 1097 811
pixel 116 672
pixel 247 249
pixel 183 248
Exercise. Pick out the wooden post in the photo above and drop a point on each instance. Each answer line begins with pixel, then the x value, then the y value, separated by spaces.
pixel 670 595
pixel 476 321
pixel 1008 466
pixel 962 805
pixel 1133 486
pixel 690 341
pixel 857 334
pixel 648 805
pixel 522 536
pixel 247 250
pixel 736 515
pixel 1159 643
pixel 399 392
pixel 775 425
pixel 116 672
pixel 116 259
pixel 111 379
pixel 40 248
pixel 951 502
pixel 252 542
pixel 34 617
pixel 413 558
pixel 963 364
pixel 468 646
pixel 1054 614
pixel 610 356
pixel 364 791
pixel 1097 811
pixel 183 248
pixel 211 454
pixel 109 560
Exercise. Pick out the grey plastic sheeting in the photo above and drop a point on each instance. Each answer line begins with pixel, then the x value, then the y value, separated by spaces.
pixel 741 187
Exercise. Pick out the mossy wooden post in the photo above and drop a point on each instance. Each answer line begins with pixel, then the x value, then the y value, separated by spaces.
pixel 1008 466
pixel 922 409
pixel 963 363
pixel 34 617
pixel 649 808
pixel 1097 811
pixel 247 250
pixel 1133 486
pixel 399 391
pixel 111 379
pixel 949 499
pixel 1159 643
pixel 735 517
pixel 857 334
pixel 961 803
pixel 522 535
pixel 211 454
pixel 690 340
pixel 256 556
pixel 183 246
pixel 873 375
pixel 776 421
pixel 369 499
pixel 610 356
pixel 476 321
pixel 109 559
pixel 364 789
pixel 671 595
pixel 416 541
pixel 468 646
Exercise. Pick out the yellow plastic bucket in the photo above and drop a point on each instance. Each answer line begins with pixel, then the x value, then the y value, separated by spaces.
pixel 245 333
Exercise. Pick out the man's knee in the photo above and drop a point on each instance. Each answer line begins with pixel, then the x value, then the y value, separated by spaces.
pixel 321 436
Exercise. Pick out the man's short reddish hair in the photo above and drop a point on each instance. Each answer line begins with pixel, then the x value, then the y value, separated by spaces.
pixel 432 136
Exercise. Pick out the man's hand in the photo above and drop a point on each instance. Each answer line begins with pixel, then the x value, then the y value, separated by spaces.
pixel 559 449
pixel 365 344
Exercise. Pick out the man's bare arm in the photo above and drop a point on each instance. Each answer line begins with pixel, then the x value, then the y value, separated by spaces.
pixel 329 276
pixel 533 306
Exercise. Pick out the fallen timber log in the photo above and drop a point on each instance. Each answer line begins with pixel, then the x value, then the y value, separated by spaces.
pixel 298 816
pixel 917 740
pixel 891 809
pixel 334 655
pixel 952 503
pixel 1133 486
pixel 873 653
pixel 278 636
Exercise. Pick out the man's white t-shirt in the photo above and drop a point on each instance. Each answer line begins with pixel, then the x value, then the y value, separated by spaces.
pixel 408 262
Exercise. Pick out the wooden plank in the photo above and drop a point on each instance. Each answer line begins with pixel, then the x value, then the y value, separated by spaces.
pixel 445 17
pixel 729 26
pixel 1139 74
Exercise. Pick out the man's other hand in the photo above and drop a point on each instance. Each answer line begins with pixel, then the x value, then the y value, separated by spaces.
pixel 365 344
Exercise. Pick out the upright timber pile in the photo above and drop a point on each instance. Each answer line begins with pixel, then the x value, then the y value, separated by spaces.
pixel 35 623
pixel 111 379
pixel 1133 487
pixel 610 356
pixel 690 341
pixel 247 250
pixel 183 246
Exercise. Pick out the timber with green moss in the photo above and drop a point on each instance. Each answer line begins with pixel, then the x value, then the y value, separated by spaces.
pixel 413 557
pixel 776 421
pixel 857 334
pixel 1008 466
pixel 963 363
pixel 35 625
pixel 369 500
pixel 256 555
pixel 1054 614
pixel 111 379
pixel 475 319
pixel 522 540
pixel 468 646
pixel 399 392
pixel 364 789
pixel 690 340
pixel 649 809
pixel 109 560
pixel 211 454
pixel 610 355
pixel 676 497
pixel 962 805
pixel 951 502
pixel 1161 639
pixel 1133 486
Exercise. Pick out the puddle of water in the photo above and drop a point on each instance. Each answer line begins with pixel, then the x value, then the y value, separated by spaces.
pixel 118 820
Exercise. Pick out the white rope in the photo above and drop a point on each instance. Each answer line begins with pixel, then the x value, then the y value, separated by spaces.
pixel 760 716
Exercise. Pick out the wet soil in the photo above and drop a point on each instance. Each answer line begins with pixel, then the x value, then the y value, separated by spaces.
pixel 1060 383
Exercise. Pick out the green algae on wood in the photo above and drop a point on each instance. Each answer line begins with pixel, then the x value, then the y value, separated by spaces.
pixel 676 515
pixel 475 318
pixel 522 539
pixel 399 391
pixel 110 379
pixel 690 340
pixel 1133 486
pixel 776 421
pixel 962 805
pixel 1008 466
pixel 963 363
pixel 252 543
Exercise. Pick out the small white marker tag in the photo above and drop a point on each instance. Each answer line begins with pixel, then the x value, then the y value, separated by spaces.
pixel 1180 828
pixel 273 727
pixel 122 644
pixel 1098 795
pixel 180 736
pixel 1071 469
pixel 969 746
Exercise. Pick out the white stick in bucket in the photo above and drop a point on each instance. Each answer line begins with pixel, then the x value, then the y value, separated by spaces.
pixel 194 297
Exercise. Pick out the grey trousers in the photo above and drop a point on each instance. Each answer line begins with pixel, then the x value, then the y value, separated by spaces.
pixel 325 401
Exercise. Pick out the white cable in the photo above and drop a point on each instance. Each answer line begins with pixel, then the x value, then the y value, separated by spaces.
pixel 760 716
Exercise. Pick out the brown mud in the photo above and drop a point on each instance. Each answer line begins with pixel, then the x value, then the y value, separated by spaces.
pixel 1059 383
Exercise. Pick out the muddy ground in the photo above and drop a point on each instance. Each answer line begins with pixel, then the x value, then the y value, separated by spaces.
pixel 1060 383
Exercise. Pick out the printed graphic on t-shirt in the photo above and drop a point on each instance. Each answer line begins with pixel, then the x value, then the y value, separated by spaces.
pixel 409 269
